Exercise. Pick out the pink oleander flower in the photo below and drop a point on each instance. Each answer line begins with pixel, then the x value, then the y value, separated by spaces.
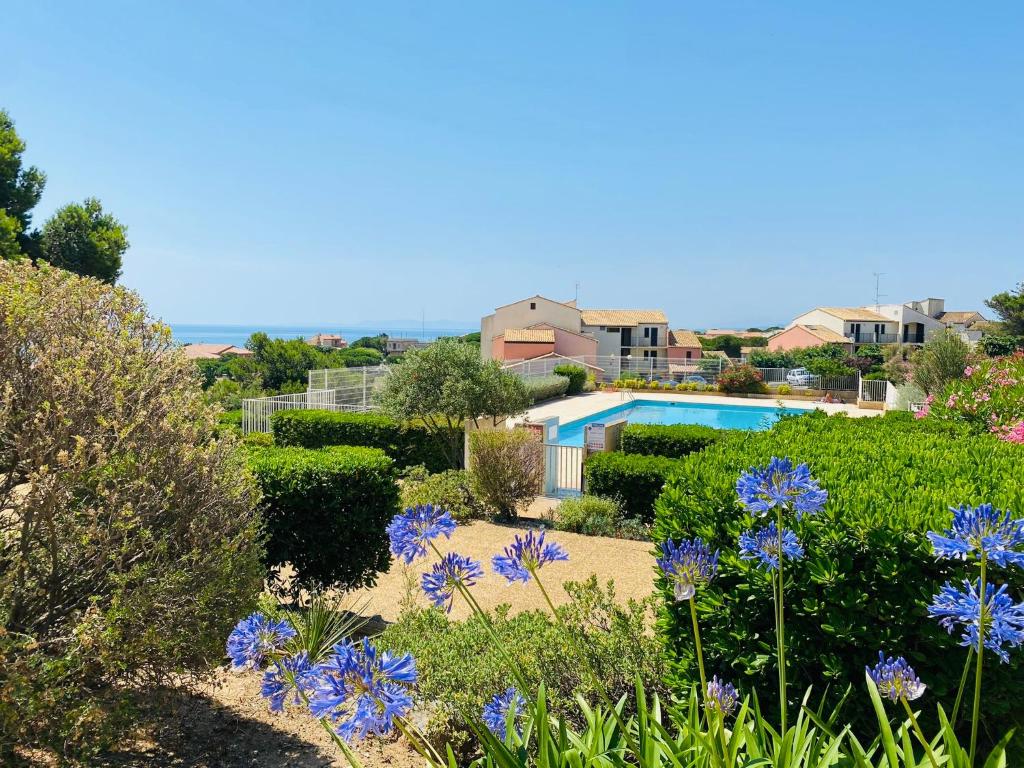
pixel 951 402
pixel 1014 434
pixel 969 371
pixel 922 413
pixel 929 400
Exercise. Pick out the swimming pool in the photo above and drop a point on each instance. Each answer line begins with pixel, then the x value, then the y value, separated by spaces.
pixel 752 417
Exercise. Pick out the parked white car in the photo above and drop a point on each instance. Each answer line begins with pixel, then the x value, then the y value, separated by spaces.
pixel 799 377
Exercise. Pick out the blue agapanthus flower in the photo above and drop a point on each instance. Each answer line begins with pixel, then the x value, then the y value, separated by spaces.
pixel 410 531
pixel 687 565
pixel 762 545
pixel 721 696
pixel 361 690
pixel 779 484
pixel 288 676
pixel 526 555
pixel 981 529
pixel 895 678
pixel 446 576
pixel 496 712
pixel 1004 619
pixel 256 638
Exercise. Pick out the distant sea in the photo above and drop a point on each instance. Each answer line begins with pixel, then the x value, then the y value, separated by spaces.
pixel 185 333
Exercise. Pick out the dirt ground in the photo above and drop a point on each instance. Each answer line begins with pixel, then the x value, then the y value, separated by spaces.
pixel 228 725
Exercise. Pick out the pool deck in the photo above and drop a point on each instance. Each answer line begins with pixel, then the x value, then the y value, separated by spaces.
pixel 569 409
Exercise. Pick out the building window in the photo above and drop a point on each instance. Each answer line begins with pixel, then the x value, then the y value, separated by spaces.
pixel 689 354
pixel 533 305
pixel 654 353
pixel 647 333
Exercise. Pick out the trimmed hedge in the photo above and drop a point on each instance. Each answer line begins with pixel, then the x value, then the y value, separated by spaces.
pixel 546 387
pixel 671 440
pixel 325 512
pixel 634 479
pixel 868 573
pixel 576 374
pixel 408 444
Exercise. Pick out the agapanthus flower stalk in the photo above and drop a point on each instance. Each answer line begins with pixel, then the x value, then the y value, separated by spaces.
pixel 763 545
pixel 780 485
pixel 411 531
pixel 981 529
pixel 447 576
pixel 294 675
pixel 896 680
pixel 256 639
pixel 362 691
pixel 687 566
pixel 525 556
pixel 504 706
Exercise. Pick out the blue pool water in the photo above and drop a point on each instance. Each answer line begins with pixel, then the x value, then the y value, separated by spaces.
pixel 752 417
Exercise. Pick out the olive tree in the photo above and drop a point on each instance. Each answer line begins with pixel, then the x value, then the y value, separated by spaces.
pixel 128 535
pixel 447 384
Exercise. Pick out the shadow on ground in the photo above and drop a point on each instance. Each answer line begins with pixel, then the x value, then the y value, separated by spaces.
pixel 199 732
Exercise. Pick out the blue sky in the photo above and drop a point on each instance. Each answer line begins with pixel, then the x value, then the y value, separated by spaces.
pixel 730 163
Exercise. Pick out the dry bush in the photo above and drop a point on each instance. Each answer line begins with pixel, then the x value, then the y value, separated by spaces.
pixel 508 469
pixel 128 538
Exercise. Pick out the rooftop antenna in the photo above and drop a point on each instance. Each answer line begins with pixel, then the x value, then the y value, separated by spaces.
pixel 878 281
pixel 576 298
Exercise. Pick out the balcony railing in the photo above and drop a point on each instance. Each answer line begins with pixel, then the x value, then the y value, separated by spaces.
pixel 873 338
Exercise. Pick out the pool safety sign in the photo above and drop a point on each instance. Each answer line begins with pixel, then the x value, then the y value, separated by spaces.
pixel 594 436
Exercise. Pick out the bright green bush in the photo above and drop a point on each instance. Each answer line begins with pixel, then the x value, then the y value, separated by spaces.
pixel 325 512
pixel 784 389
pixel 635 480
pixel 452 489
pixel 869 572
pixel 576 374
pixel 460 668
pixel 408 444
pixel 546 387
pixel 671 440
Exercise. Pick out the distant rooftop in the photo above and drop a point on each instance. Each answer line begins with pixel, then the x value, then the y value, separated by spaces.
pixel 627 317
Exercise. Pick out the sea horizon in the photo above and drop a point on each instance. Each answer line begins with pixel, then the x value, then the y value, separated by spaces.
pixel 238 334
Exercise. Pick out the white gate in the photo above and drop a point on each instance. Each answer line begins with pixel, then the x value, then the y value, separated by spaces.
pixel 563 470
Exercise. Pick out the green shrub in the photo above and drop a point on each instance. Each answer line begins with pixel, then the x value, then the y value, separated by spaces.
pixel 634 479
pixel 576 374
pixel 546 387
pixel 671 440
pixel 258 440
pixel 408 444
pixel 589 515
pixel 460 668
pixel 507 467
pixel 325 512
pixel 741 379
pixel 869 572
pixel 453 490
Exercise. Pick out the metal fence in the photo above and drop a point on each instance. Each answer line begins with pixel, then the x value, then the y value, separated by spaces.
pixel 363 380
pixel 874 391
pixel 563 470
pixel 333 389
pixel 609 368
pixel 256 412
